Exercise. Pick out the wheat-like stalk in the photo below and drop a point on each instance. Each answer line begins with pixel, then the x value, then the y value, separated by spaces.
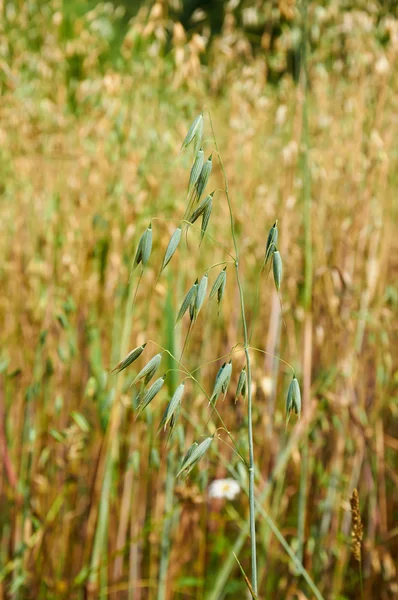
pixel 356 533
pixel 356 527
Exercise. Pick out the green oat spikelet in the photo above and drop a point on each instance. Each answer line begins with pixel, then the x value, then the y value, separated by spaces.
pixel 206 218
pixel 204 177
pixel 194 457
pixel 129 359
pixel 192 310
pixel 171 248
pixel 201 294
pixel 198 136
pixel 201 208
pixel 241 386
pixel 272 241
pixel 195 131
pixel 196 168
pixel 151 393
pixel 220 370
pixel 192 306
pixel 147 245
pixel 219 282
pixel 222 378
pixel 149 375
pixel 144 248
pixel 277 269
pixel 221 290
pixel 293 399
pixel 138 254
pixel 173 408
pixel 149 369
pixel 189 453
pixel 227 379
pixel 187 302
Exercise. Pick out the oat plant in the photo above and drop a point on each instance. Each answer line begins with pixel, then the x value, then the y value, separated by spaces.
pixel 150 379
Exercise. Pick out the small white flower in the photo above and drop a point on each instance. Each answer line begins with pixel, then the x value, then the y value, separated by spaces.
pixel 224 488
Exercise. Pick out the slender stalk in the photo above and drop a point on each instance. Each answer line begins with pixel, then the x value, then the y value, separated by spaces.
pixel 249 377
pixel 166 533
pixel 302 501
pixel 251 450
pixel 361 579
pixel 305 140
pixel 307 280
pixel 171 464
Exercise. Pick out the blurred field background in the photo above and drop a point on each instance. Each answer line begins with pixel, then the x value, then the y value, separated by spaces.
pixel 96 99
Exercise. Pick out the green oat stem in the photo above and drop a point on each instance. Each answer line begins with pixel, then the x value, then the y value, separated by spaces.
pixel 248 366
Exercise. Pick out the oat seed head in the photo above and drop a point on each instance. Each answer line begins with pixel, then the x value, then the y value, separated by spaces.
pixel 241 387
pixel 272 241
pixel 196 168
pixel 186 303
pixel 151 393
pixel 138 254
pixel 227 379
pixel 293 399
pixel 173 408
pixel 149 369
pixel 195 454
pixel 277 269
pixel 129 359
pixel 204 177
pixel 201 294
pixel 206 218
pixel 147 245
pixel 201 208
pixel 220 281
pixel 195 130
pixel 223 377
pixel 198 136
pixel 171 248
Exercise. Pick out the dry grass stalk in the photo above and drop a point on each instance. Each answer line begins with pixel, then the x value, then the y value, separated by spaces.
pixel 356 527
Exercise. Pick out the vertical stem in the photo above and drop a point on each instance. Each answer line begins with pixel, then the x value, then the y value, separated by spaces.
pixel 166 534
pixel 302 501
pixel 306 173
pixel 171 465
pixel 361 578
pixel 252 509
pixel 250 435
pixel 305 141
pixel 307 357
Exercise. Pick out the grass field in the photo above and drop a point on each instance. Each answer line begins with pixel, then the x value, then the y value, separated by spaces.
pixel 90 134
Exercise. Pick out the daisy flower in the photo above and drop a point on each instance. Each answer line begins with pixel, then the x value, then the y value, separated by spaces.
pixel 224 488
